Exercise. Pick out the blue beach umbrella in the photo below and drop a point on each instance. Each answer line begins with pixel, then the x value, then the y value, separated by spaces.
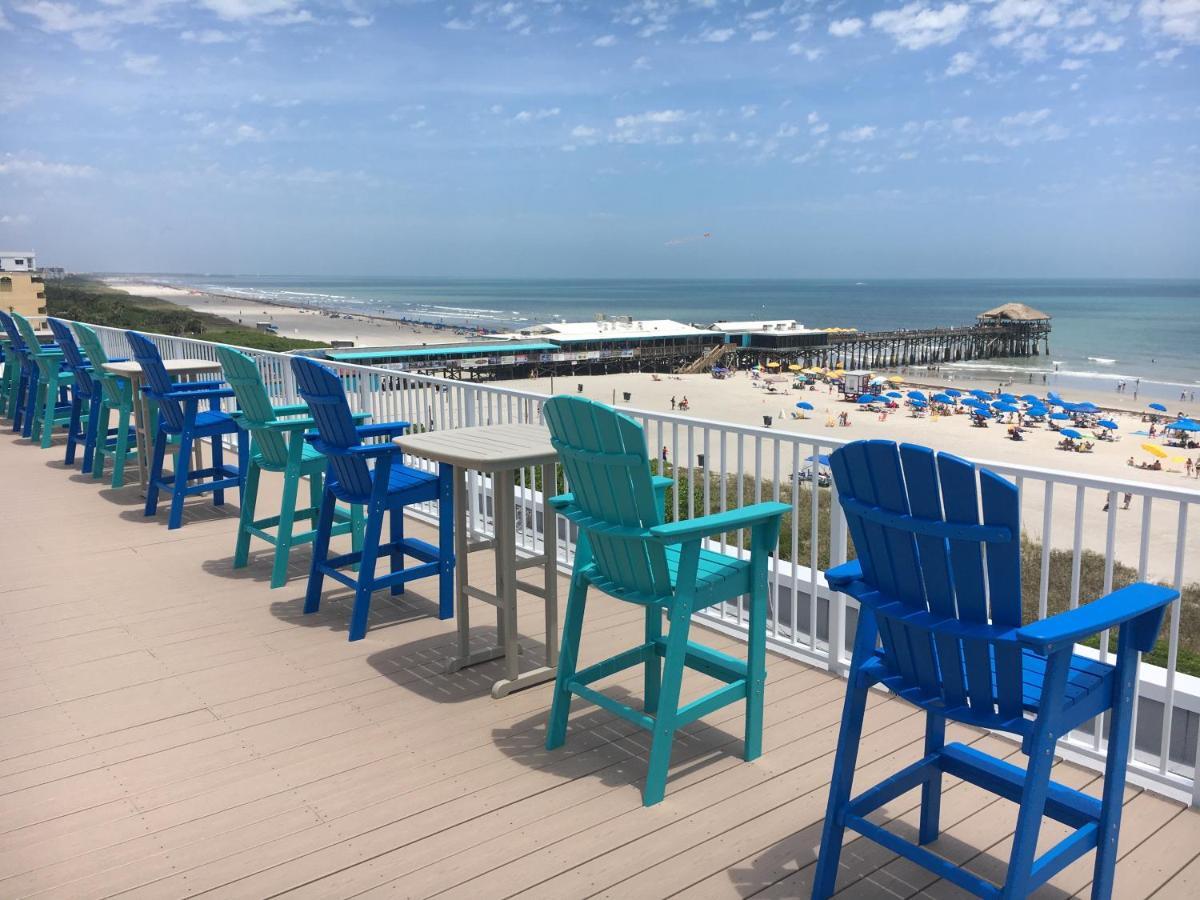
pixel 867 398
pixel 1071 433
pixel 1009 398
pixel 1005 408
pixel 895 395
pixel 822 459
pixel 1054 399
pixel 1157 406
pixel 1183 425
pixel 974 403
pixel 1087 406
pixel 1032 398
pixel 1107 423
pixel 954 392
pixel 982 411
pixel 1037 412
pixel 919 404
pixel 1060 417
pixel 915 395
pixel 804 404
pixel 982 395
pixel 942 398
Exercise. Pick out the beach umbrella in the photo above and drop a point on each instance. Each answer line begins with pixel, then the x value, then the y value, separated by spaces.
pixel 804 404
pixel 1054 399
pixel 982 395
pixel 772 365
pixel 895 379
pixel 1107 423
pixel 1087 406
pixel 1032 398
pixel 1060 417
pixel 974 403
pixel 867 398
pixel 954 392
pixel 1183 425
pixel 915 395
pixel 942 398
pixel 1155 450
pixel 895 395
pixel 1157 406
pixel 794 368
pixel 1009 398
pixel 1072 433
pixel 822 459
pixel 1005 407
pixel 878 381
pixel 982 411
pixel 1036 411
pixel 919 404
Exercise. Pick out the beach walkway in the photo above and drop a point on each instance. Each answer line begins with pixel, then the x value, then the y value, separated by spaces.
pixel 172 728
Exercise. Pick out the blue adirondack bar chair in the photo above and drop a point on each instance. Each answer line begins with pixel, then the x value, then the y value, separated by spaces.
pixel 384 489
pixel 182 422
pixel 947 614
pixel 86 396
pixel 626 551
pixel 18 369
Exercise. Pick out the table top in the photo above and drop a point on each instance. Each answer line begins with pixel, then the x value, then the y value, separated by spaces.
pixel 173 366
pixel 484 448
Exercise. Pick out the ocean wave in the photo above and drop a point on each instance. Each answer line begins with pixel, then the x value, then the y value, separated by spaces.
pixel 1102 360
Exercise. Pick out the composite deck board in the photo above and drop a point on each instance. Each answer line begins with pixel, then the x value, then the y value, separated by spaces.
pixel 170 728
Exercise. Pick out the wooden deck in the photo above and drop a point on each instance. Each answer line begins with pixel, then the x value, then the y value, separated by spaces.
pixel 169 727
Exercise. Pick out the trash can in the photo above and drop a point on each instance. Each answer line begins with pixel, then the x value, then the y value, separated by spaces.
pixel 767 421
pixel 579 387
pixel 626 395
pixel 700 460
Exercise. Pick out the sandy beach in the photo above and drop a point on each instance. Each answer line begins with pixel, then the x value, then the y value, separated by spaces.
pixel 737 400
pixel 297 321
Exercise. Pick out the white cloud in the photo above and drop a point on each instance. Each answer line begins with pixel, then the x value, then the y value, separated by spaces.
pixel 716 35
pixel 38 168
pixel 142 64
pixel 360 21
pixel 5 25
pixel 787 130
pixel 208 36
pixel 916 26
pixel 1097 42
pixel 583 131
pixel 1178 19
pixel 653 126
pixel 1073 65
pixel 961 63
pixel 762 35
pixel 607 40
pixel 1167 56
pixel 1026 119
pixel 457 24
pixel 534 115
pixel 641 64
pixel 749 111
pixel 281 12
pixel 851 27
pixel 14 218
pixel 245 134
pixel 1008 14
pixel 812 54
pixel 858 135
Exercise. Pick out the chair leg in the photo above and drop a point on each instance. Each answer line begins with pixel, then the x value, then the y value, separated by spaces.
pixel 397 529
pixel 287 520
pixel 664 722
pixel 652 676
pixel 845 759
pixel 32 387
pixel 183 466
pixel 568 659
pixel 243 461
pixel 320 553
pixel 121 450
pixel 1119 748
pixel 156 472
pixel 218 465
pixel 756 668
pixel 241 549
pixel 931 790
pixel 47 422
pixel 445 541
pixel 366 574
pixel 92 431
pixel 74 429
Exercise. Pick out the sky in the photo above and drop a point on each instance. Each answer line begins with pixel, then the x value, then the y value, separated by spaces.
pixel 554 138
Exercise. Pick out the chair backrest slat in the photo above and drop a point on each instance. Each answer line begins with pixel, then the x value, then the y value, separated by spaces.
pixel 114 387
pixel 321 389
pixel 254 403
pixel 608 469
pixel 84 383
pixel 898 501
pixel 14 333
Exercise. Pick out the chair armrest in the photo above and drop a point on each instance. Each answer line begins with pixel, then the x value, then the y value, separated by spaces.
pixel 1140 605
pixel 382 429
pixel 846 573
pixel 706 526
pixel 365 451
pixel 195 385
pixel 290 409
pixel 196 395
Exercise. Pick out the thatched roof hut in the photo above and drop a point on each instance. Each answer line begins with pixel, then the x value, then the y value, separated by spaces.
pixel 1014 312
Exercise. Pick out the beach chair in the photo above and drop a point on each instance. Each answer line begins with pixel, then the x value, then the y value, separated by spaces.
pixel 17 366
pixel 116 395
pixel 626 551
pixel 278 445
pixel 384 489
pixel 947 614
pixel 85 396
pixel 46 402
pixel 181 422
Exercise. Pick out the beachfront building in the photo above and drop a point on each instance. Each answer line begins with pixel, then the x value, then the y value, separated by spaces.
pixel 1024 327
pixel 21 287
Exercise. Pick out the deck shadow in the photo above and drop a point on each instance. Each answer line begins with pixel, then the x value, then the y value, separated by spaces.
pixel 337 602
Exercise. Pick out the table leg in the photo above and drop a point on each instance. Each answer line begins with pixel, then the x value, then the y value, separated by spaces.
pixel 550 567
pixel 461 553
pixel 141 428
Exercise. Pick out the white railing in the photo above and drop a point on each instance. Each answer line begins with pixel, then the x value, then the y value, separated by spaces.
pixel 728 465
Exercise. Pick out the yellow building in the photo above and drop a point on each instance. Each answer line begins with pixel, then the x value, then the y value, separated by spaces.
pixel 21 287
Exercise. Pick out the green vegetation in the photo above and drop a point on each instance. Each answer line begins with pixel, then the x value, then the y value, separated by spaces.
pixel 98 304
pixel 741 491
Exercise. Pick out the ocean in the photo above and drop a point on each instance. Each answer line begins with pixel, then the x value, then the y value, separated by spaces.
pixel 1145 332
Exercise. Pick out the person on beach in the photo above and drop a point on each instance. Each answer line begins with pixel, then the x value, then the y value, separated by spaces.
pixel 664 453
pixel 1188 467
pixel 672 403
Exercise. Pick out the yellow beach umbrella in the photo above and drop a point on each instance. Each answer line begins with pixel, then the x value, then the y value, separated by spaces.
pixel 1155 450
pixel 773 365
pixel 895 379
pixel 794 368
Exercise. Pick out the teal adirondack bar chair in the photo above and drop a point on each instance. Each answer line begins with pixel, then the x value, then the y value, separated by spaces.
pixel 940 626
pixel 278 445
pixel 10 374
pixel 626 551
pixel 46 408
pixel 116 395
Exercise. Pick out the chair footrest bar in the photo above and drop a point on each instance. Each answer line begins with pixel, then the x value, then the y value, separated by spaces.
pixel 529 588
pixel 722 696
pixel 614 664
pixel 1062 803
pixel 1065 852
pixel 895 785
pixel 926 859
pixel 711 662
pixel 604 702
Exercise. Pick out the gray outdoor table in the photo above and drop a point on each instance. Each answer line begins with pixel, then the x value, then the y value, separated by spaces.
pixel 187 370
pixel 499 451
